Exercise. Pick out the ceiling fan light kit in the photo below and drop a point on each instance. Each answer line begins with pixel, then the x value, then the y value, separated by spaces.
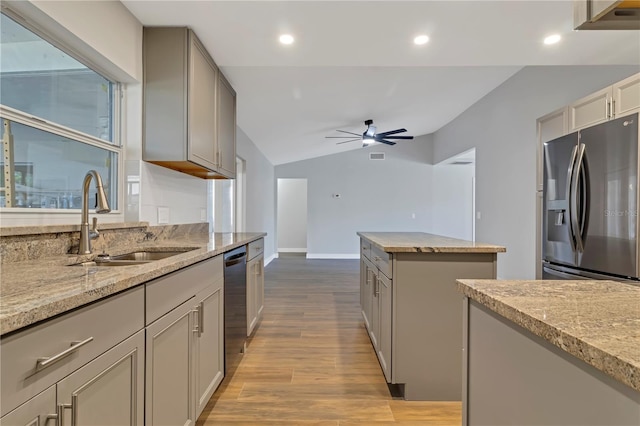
pixel 370 136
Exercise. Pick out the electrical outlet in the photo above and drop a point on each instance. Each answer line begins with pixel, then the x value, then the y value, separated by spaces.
pixel 413 215
pixel 163 215
pixel 203 215
pixel 478 215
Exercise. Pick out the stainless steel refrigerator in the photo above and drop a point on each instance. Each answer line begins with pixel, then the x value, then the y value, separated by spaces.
pixel 590 203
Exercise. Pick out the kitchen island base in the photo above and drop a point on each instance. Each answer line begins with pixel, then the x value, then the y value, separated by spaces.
pixel 411 308
pixel 513 377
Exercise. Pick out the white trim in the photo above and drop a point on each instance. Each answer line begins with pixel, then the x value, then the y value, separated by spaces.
pixel 270 258
pixel 292 250
pixel 333 256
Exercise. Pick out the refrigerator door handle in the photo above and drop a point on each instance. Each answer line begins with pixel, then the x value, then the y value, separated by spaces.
pixel 570 174
pixel 573 201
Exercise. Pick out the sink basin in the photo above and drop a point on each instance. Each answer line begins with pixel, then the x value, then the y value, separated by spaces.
pixel 134 258
pixel 147 255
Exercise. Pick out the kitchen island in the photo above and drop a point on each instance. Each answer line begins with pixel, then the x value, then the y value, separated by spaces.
pixel 411 308
pixel 551 353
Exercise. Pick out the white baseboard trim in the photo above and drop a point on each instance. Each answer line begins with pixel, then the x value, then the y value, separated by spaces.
pixel 333 256
pixel 270 258
pixel 292 250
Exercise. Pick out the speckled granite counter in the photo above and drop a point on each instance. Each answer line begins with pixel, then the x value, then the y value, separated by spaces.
pixel 34 290
pixel 418 242
pixel 596 321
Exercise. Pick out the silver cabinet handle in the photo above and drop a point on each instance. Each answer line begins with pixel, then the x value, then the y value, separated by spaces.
pixel 378 286
pixel 74 411
pixel 44 362
pixel 201 318
pixel 196 326
pixel 53 417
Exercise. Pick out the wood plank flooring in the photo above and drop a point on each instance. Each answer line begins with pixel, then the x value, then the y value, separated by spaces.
pixel 311 362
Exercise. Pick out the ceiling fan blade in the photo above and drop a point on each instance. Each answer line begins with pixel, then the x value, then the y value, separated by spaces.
pixel 395 137
pixel 339 137
pixel 392 132
pixel 351 133
pixel 387 142
pixel 358 139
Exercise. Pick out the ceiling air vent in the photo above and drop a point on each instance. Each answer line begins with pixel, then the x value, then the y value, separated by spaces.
pixel 376 156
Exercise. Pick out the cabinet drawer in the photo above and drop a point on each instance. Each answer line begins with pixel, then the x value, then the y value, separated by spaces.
pixel 33 412
pixel 169 291
pixel 107 322
pixel 382 260
pixel 255 248
pixel 365 249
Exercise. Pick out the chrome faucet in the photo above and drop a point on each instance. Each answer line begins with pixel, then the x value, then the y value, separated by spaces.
pixel 103 207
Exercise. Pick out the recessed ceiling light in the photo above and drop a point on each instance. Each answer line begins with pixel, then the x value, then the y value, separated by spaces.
pixel 552 39
pixel 421 39
pixel 286 39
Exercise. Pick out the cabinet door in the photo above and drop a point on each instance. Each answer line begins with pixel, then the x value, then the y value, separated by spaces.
pixel 37 411
pixel 252 314
pixel 384 341
pixel 226 126
pixel 169 380
pixel 260 287
pixel 107 391
pixel 626 96
pixel 550 127
pixel 202 106
pixel 590 110
pixel 374 320
pixel 209 343
pixel 367 296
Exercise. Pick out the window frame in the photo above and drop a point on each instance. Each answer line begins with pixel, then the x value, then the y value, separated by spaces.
pixel 116 145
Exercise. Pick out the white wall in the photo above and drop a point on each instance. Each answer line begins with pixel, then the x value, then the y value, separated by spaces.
pixel 502 128
pixel 292 215
pixel 374 195
pixel 261 192
pixel 453 200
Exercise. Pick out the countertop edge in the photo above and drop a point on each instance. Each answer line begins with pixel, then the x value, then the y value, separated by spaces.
pixel 561 339
pixel 432 248
pixel 15 322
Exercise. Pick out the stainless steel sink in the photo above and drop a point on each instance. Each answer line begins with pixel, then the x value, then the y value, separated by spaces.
pixel 133 258
pixel 147 255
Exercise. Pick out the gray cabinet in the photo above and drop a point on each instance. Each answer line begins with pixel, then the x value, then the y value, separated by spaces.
pixel 184 342
pixel 189 108
pixel 169 376
pixel 209 343
pixel 384 296
pixel 36 412
pixel 255 284
pixel 87 364
pixel 226 127
pixel 107 391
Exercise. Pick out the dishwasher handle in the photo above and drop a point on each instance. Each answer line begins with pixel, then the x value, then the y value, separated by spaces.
pixel 235 259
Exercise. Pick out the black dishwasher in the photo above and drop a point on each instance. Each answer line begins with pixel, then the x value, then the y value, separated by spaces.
pixel 235 307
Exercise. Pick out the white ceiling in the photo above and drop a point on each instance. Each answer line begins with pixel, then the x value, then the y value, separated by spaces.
pixel 355 60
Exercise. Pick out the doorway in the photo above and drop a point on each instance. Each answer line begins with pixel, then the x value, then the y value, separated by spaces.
pixel 292 216
pixel 454 196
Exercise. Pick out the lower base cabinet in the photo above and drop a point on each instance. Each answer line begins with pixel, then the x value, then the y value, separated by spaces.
pixel 255 292
pixel 169 381
pixel 107 391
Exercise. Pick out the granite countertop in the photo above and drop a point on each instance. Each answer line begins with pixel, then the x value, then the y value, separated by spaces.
pixel 36 290
pixel 421 242
pixel 595 321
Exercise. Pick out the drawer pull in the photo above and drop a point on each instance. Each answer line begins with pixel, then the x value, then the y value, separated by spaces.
pixel 43 363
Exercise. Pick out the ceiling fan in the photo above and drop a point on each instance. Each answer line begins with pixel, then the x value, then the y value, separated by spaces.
pixel 370 136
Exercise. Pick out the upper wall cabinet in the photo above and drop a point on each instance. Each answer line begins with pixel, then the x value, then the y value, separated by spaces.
pixel 606 15
pixel 189 115
pixel 615 101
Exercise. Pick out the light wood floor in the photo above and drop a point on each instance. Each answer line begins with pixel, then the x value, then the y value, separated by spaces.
pixel 311 361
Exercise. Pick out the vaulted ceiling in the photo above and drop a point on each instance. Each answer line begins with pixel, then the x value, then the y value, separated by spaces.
pixel 356 60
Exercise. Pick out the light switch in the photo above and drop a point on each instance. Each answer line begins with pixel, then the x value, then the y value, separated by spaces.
pixel 478 215
pixel 163 215
pixel 203 215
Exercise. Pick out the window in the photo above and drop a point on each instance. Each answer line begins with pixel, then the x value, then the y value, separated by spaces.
pixel 59 120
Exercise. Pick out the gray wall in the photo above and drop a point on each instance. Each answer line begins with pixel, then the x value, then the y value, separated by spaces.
pixel 502 128
pixel 374 195
pixel 261 192
pixel 292 215
pixel 453 200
